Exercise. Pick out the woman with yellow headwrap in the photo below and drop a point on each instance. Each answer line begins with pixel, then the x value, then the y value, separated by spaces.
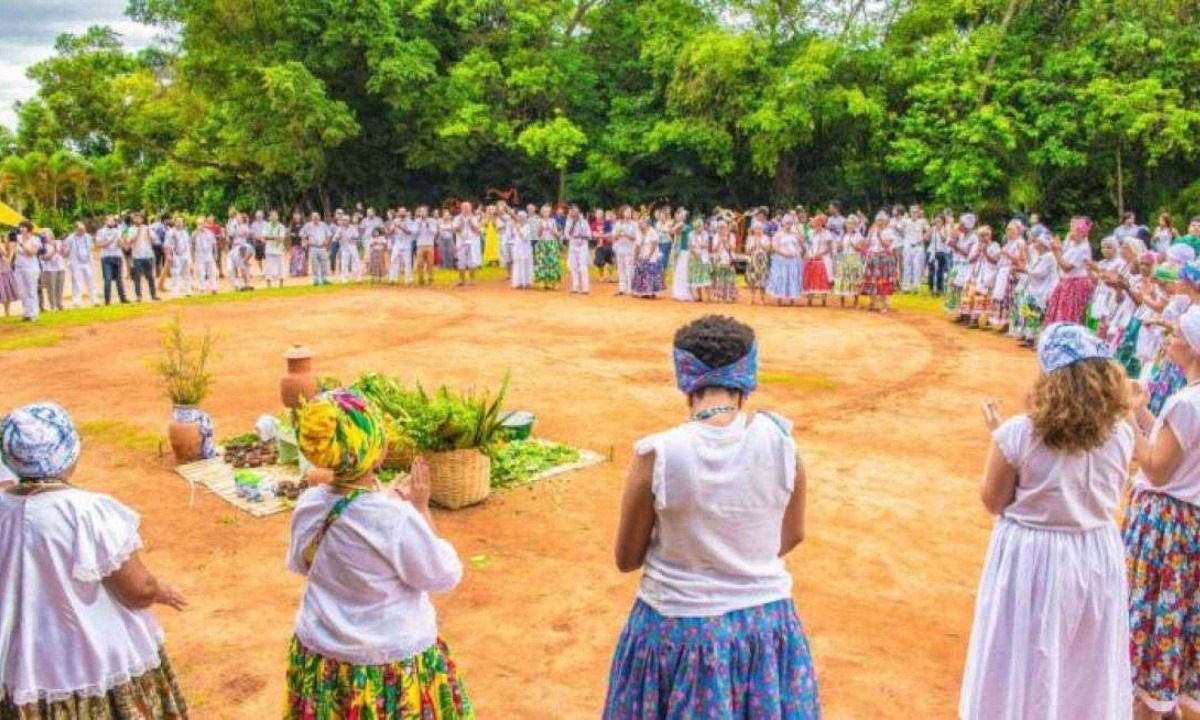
pixel 366 642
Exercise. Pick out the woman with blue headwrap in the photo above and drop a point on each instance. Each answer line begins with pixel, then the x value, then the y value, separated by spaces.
pixel 77 639
pixel 710 509
pixel 1160 538
pixel 1051 636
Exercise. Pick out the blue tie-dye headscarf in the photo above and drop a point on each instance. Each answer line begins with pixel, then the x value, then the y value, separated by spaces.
pixel 39 441
pixel 691 374
pixel 1064 344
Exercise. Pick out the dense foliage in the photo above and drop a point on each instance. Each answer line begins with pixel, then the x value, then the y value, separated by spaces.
pixel 1053 105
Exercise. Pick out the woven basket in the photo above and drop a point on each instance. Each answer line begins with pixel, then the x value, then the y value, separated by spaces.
pixel 459 478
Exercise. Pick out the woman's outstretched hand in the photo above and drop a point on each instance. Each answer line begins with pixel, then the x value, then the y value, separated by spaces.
pixel 170 597
pixel 991 415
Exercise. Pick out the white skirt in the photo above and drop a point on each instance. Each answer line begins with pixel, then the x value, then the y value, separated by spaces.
pixel 1051 631
pixel 681 290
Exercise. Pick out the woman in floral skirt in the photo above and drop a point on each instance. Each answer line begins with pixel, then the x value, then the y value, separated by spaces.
pixel 699 265
pixel 547 252
pixel 714 630
pixel 724 276
pixel 366 642
pixel 8 281
pixel 819 268
pixel 879 270
pixel 758 247
pixel 848 263
pixel 1161 540
pixel 648 280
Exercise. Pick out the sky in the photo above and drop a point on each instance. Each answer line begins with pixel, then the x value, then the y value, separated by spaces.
pixel 31 27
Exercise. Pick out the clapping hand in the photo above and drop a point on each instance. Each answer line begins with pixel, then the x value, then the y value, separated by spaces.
pixel 991 415
pixel 1138 397
pixel 417 490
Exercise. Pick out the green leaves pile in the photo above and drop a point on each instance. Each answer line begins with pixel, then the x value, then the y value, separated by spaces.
pixel 443 420
pixel 516 462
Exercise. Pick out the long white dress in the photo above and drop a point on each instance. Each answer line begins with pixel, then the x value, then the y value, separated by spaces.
pixel 1051 631
pixel 681 289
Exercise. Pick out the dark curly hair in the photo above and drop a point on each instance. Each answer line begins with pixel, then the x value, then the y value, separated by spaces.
pixel 715 340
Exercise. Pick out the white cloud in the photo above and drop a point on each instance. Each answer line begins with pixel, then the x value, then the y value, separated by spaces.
pixel 31 27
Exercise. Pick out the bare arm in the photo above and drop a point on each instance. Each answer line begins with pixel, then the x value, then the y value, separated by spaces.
pixel 793 517
pixel 637 515
pixel 136 588
pixel 1159 458
pixel 999 482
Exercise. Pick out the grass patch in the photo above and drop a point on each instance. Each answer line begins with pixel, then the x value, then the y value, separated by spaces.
pixel 800 382
pixel 921 302
pixel 35 339
pixel 121 434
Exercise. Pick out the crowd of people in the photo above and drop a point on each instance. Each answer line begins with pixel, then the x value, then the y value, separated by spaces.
pixel 787 257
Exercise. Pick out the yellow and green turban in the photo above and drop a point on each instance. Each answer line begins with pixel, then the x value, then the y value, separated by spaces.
pixel 340 431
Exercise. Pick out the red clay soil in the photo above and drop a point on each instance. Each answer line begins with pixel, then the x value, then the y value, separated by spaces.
pixel 888 423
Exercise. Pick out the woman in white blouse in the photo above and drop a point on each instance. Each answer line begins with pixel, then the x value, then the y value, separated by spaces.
pixel 1051 633
pixel 366 642
pixel 1161 539
pixel 710 509
pixel 77 638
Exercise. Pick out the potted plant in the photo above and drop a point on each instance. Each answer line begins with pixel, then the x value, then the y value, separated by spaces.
pixel 183 367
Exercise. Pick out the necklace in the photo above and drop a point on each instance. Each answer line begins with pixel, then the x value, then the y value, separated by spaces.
pixel 711 412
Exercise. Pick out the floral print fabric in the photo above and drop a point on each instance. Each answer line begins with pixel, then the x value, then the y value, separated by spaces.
pixel 1163 556
pixel 423 687
pixel 154 695
pixel 751 663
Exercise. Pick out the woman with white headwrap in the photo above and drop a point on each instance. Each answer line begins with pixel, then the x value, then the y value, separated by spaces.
pixel 78 639
pixel 962 248
pixel 1104 298
pixel 1183 289
pixel 784 279
pixel 1161 539
pixel 1050 637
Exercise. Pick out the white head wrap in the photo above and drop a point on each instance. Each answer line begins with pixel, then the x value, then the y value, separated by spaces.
pixel 1189 325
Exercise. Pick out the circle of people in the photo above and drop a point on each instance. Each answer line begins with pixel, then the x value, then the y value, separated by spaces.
pixel 1003 283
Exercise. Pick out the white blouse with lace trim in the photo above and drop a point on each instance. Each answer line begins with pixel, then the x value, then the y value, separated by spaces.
pixel 61 631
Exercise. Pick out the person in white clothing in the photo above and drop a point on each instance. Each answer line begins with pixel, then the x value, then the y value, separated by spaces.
pixel 915 234
pixel 1160 539
pixel 402 233
pixel 316 236
pixel 579 254
pixel 78 632
pixel 78 248
pixel 468 244
pixel 625 235
pixel 274 236
pixel 178 243
pixel 205 243
pixel 349 259
pixel 370 556
pixel 522 249
pixel 1051 632
pixel 28 270
pixel 710 509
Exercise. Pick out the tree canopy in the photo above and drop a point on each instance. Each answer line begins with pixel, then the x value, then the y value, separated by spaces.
pixel 1057 106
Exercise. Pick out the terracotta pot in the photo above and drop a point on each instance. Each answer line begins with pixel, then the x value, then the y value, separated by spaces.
pixel 186 441
pixel 299 384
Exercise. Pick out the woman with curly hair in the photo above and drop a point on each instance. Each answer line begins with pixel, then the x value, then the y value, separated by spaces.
pixel 1051 630
pixel 366 642
pixel 1161 539
pixel 710 509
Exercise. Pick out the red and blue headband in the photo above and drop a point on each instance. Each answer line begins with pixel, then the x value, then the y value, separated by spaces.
pixel 691 374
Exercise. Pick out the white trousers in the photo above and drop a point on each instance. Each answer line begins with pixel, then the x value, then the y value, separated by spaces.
pixel 181 275
pixel 273 267
pixel 206 274
pixel 506 254
pixel 81 275
pixel 913 273
pixel 579 258
pixel 27 288
pixel 522 269
pixel 401 260
pixel 625 273
pixel 349 263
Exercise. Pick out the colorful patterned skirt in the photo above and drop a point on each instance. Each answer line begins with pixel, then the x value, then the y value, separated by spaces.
pixel 879 275
pixel 299 262
pixel 1126 352
pixel 816 277
pixel 724 287
pixel 1166 380
pixel 422 687
pixel 752 663
pixel 785 278
pixel 547 264
pixel 958 270
pixel 699 273
pixel 848 274
pixel 1027 316
pixel 1162 549
pixel 648 278
pixel 756 270
pixel 377 264
pixel 154 695
pixel 1069 301
pixel 1003 298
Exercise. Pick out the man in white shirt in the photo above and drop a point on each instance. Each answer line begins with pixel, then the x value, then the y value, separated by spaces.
pixel 349 258
pixel 468 245
pixel 78 246
pixel 578 235
pixel 108 239
pixel 426 231
pixel 274 239
pixel 914 234
pixel 205 243
pixel 315 235
pixel 139 238
pixel 179 250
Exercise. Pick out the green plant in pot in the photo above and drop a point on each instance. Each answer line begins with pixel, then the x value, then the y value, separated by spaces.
pixel 183 366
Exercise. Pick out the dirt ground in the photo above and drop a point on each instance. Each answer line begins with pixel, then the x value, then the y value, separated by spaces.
pixel 888 422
